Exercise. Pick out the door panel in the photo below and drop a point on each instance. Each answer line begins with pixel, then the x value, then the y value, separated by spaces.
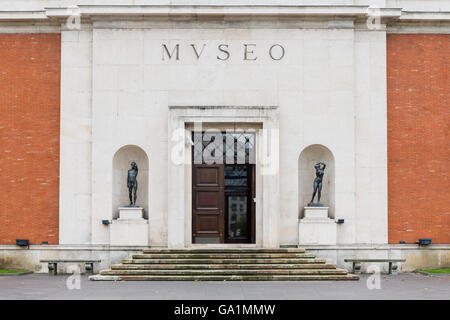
pixel 207 176
pixel 238 203
pixel 207 203
pixel 207 222
pixel 207 199
pixel 237 217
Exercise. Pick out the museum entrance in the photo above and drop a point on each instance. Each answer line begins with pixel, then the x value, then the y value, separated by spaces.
pixel 223 187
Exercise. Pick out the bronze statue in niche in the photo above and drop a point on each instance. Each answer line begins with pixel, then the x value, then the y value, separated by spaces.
pixel 132 184
pixel 320 171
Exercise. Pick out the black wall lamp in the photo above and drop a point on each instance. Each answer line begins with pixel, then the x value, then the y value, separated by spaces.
pixel 23 243
pixel 106 222
pixel 424 241
pixel 340 221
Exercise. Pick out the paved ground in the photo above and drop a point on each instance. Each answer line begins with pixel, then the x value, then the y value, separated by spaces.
pixel 400 286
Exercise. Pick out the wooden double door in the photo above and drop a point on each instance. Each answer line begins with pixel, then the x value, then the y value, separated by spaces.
pixel 223 187
pixel 223 206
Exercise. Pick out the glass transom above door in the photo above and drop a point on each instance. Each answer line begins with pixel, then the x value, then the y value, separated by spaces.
pixel 213 147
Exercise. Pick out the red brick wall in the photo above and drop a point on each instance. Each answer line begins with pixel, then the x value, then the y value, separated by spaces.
pixel 418 137
pixel 29 137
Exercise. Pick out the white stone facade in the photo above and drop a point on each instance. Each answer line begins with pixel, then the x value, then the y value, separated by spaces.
pixel 313 88
pixel 314 74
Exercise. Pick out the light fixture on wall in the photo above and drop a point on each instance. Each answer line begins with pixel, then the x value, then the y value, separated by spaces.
pixel 340 221
pixel 106 222
pixel 424 241
pixel 23 243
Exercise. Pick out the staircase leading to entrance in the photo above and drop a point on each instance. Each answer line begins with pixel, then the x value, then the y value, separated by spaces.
pixel 224 264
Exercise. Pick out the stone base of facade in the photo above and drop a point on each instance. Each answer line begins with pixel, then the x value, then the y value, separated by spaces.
pixel 430 257
pixel 129 232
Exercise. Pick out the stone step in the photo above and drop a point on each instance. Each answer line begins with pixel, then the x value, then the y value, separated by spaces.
pixel 224 250
pixel 223 256
pixel 231 264
pixel 224 277
pixel 219 266
pixel 227 272
pixel 222 261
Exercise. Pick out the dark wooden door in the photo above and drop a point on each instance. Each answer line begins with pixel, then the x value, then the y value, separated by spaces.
pixel 207 203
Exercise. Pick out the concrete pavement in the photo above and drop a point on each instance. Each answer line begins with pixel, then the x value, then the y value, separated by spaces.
pixel 399 286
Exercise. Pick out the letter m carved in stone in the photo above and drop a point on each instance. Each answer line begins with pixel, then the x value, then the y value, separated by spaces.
pixel 175 52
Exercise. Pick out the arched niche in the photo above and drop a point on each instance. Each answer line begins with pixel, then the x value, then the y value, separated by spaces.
pixel 306 175
pixel 121 164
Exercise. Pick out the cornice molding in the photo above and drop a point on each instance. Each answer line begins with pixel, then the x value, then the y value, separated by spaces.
pixel 23 15
pixel 417 16
pixel 219 12
pixel 216 10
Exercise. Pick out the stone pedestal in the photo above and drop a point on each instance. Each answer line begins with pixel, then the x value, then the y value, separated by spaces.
pixel 316 227
pixel 131 213
pixel 130 229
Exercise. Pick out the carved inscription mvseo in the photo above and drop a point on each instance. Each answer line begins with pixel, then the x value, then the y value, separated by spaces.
pixel 223 51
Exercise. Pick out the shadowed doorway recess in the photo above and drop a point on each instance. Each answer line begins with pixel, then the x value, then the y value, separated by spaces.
pixel 223 187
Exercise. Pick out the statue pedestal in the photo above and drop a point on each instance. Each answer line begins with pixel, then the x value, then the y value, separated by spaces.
pixel 130 229
pixel 131 213
pixel 316 228
pixel 316 213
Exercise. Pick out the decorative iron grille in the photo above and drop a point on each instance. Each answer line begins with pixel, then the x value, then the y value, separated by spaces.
pixel 213 147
